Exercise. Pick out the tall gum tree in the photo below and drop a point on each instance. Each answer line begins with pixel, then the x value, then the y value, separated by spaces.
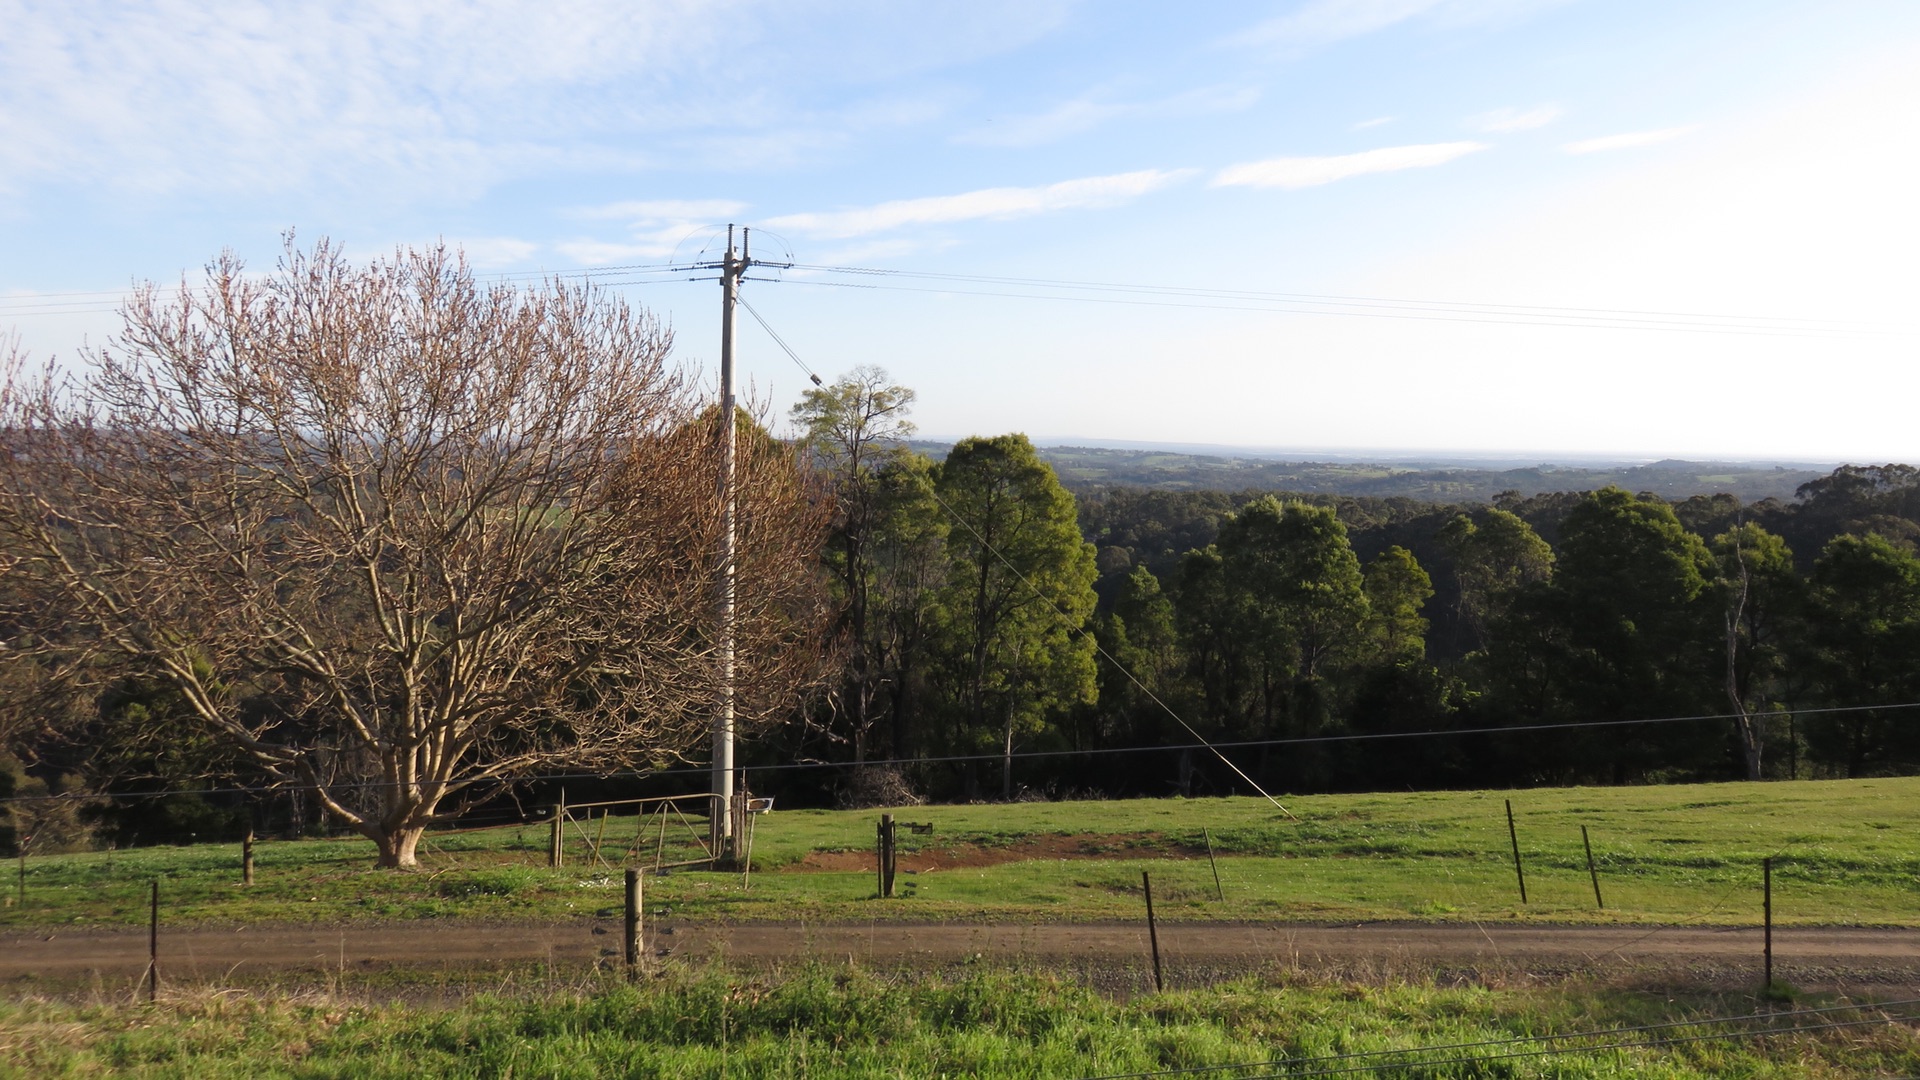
pixel 1861 648
pixel 1627 627
pixel 1018 593
pixel 1296 589
pixel 400 538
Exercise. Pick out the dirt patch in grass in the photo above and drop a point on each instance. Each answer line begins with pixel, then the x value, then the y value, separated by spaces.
pixel 932 854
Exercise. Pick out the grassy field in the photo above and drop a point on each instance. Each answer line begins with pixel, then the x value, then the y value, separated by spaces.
pixel 983 1022
pixel 1844 851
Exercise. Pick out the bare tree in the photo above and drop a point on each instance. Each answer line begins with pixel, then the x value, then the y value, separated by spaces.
pixel 400 537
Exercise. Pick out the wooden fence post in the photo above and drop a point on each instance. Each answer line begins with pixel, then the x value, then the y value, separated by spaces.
pixel 153 944
pixel 246 859
pixel 883 851
pixel 1591 872
pixel 1514 836
pixel 1217 890
pixel 746 861
pixel 1766 892
pixel 1153 933
pixel 633 921
pixel 556 843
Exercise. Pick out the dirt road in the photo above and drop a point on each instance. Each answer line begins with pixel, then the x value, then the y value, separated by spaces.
pixel 1822 956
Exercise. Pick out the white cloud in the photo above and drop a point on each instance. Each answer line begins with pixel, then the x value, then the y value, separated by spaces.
pixel 1507 121
pixel 1300 172
pixel 1373 123
pixel 1628 140
pixel 368 98
pixel 1087 113
pixel 1088 193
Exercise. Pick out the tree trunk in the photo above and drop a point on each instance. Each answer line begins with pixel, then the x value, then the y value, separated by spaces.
pixel 1751 744
pixel 1006 759
pixel 397 847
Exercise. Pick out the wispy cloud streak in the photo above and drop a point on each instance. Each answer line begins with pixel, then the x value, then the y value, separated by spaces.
pixel 1088 193
pixel 1303 172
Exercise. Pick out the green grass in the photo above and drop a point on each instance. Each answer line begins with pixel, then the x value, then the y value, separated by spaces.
pixel 976 1022
pixel 1844 851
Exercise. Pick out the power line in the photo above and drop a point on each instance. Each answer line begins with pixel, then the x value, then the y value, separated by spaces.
pixel 778 340
pixel 1557 310
pixel 1411 313
pixel 1651 318
pixel 108 301
pixel 1118 666
pixel 1024 755
pixel 1056 607
pixel 1132 294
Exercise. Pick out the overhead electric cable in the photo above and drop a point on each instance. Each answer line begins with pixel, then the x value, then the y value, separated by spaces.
pixel 1294 303
pixel 1061 610
pixel 1255 294
pixel 97 301
pixel 1407 313
pixel 780 341
pixel 1023 755
pixel 1122 668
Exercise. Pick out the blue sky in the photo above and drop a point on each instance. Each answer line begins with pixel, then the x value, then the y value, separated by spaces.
pixel 1548 228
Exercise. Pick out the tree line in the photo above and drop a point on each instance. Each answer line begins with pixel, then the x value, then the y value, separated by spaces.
pixel 1349 643
pixel 400 547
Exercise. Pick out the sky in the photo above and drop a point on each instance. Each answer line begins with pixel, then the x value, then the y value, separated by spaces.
pixel 1510 227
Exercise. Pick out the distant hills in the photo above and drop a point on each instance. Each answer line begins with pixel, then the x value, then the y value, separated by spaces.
pixel 1088 467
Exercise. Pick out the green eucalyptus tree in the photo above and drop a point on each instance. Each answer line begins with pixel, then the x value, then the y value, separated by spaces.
pixel 1017 597
pixel 1494 554
pixel 1397 588
pixel 1626 628
pixel 1860 648
pixel 1270 609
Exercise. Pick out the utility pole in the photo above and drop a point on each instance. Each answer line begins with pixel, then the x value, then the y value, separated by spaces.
pixel 733 269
